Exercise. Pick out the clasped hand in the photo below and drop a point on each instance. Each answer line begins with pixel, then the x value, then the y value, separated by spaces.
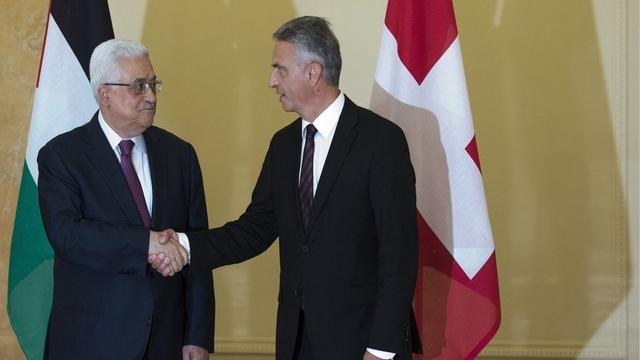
pixel 166 255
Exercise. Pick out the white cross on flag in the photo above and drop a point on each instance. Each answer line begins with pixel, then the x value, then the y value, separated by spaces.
pixel 420 85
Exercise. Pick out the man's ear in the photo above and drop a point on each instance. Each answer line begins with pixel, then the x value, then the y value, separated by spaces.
pixel 103 95
pixel 314 72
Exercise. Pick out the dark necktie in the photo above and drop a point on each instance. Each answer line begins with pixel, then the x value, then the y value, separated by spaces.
pixel 306 176
pixel 132 179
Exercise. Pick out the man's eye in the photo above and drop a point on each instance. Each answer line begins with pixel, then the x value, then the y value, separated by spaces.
pixel 137 86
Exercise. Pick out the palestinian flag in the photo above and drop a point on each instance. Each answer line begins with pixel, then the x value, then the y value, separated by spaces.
pixel 63 100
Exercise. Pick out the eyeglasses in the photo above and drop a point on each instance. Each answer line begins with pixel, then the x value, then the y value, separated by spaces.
pixel 140 86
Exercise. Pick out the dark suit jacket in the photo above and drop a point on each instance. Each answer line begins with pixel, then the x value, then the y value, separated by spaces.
pixel 354 270
pixel 107 304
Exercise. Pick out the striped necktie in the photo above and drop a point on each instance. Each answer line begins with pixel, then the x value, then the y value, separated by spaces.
pixel 132 179
pixel 306 176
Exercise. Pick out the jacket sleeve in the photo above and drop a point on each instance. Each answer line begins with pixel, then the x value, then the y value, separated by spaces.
pixel 242 239
pixel 121 248
pixel 393 198
pixel 199 297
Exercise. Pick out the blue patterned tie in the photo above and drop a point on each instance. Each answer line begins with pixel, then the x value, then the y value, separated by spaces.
pixel 132 179
pixel 306 176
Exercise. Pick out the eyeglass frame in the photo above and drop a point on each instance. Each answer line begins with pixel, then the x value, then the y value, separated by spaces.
pixel 155 88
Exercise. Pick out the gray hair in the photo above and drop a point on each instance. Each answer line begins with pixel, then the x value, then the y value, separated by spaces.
pixel 104 67
pixel 314 41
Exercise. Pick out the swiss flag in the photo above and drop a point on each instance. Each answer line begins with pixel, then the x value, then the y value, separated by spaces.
pixel 420 85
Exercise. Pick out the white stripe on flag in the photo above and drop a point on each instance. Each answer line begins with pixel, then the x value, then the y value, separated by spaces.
pixel 443 93
pixel 63 99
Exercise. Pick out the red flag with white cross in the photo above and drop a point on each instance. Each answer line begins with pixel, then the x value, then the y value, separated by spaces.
pixel 420 85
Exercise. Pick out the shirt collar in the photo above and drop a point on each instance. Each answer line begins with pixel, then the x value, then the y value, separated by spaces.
pixel 326 122
pixel 114 139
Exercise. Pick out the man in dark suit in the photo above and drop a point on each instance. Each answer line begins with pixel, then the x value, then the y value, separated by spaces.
pixel 338 188
pixel 103 188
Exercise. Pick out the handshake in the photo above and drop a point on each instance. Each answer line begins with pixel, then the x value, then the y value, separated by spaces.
pixel 166 255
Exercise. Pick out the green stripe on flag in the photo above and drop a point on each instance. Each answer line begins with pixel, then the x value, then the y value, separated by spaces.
pixel 30 272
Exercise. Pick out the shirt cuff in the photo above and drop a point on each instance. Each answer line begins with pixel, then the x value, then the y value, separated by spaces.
pixel 183 239
pixel 381 354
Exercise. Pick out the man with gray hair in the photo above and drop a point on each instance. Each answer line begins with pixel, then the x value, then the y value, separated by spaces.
pixel 337 187
pixel 104 188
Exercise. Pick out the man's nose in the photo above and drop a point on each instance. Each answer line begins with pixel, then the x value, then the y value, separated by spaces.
pixel 272 80
pixel 149 95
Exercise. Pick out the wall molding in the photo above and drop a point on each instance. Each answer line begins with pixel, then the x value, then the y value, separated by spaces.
pixel 633 174
pixel 256 345
pixel 552 350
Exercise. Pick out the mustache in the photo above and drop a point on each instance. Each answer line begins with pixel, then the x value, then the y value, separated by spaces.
pixel 148 106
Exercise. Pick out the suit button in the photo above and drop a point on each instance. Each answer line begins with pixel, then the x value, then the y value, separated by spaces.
pixel 305 249
pixel 296 292
pixel 147 322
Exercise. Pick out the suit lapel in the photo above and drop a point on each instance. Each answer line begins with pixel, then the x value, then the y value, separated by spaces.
pixel 158 160
pixel 343 138
pixel 106 164
pixel 292 168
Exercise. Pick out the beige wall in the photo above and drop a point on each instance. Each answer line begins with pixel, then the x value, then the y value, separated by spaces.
pixel 554 93
pixel 550 116
pixel 21 34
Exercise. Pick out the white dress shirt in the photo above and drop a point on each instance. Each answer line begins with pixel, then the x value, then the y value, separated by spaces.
pixel 326 124
pixel 139 158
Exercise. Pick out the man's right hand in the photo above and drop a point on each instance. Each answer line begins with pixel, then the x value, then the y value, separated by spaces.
pixel 165 252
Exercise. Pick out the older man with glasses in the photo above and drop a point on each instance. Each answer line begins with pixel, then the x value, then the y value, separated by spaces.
pixel 104 188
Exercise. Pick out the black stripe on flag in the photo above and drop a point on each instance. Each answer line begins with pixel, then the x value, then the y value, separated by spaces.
pixel 85 24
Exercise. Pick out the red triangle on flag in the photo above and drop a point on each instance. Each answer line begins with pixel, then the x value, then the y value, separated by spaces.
pixel 424 30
